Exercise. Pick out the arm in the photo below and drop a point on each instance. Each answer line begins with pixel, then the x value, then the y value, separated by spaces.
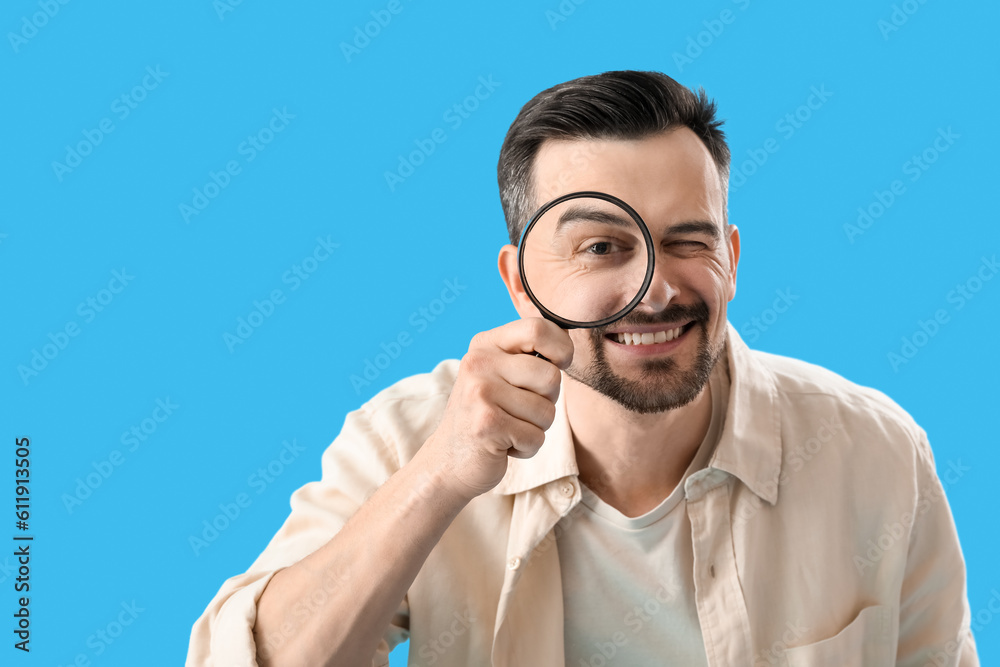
pixel 500 405
pixel 502 402
pixel 365 570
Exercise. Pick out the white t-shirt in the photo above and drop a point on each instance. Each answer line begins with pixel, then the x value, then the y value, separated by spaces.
pixel 628 583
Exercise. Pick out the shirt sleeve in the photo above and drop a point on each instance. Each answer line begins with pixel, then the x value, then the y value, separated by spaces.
pixel 353 467
pixel 934 617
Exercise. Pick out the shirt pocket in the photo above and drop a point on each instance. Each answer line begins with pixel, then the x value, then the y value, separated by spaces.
pixel 866 642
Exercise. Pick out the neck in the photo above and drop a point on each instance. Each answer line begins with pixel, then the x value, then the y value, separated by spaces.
pixel 633 461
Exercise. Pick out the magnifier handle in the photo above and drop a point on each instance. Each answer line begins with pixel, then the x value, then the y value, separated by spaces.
pixel 542 356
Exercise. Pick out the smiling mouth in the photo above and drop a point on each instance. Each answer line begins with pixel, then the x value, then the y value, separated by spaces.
pixel 649 337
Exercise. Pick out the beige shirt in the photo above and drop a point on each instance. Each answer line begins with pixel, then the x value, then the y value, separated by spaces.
pixel 820 532
pixel 628 585
pixel 628 588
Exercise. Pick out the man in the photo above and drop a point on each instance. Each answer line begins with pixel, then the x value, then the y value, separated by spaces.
pixel 619 499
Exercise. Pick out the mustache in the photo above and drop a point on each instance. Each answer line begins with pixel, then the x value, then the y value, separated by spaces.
pixel 672 313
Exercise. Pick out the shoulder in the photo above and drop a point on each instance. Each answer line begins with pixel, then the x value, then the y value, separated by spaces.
pixel 422 386
pixel 806 390
pixel 406 413
pixel 796 377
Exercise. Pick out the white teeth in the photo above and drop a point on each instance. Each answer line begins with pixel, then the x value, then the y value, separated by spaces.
pixel 648 338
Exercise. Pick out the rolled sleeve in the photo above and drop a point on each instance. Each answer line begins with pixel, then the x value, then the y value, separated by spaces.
pixel 223 636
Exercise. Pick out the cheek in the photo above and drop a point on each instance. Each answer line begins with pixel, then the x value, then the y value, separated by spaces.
pixel 583 347
pixel 582 343
pixel 707 278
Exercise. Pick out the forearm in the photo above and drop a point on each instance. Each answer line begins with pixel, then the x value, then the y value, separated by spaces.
pixel 361 575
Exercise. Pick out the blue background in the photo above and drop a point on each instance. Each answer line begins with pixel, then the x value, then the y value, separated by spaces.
pixel 855 297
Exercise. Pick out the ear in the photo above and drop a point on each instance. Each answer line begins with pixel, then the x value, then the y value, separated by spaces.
pixel 507 263
pixel 734 258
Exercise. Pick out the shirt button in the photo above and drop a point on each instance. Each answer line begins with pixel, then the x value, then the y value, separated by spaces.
pixel 567 489
pixel 514 563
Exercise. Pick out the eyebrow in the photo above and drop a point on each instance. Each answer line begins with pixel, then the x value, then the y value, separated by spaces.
pixel 696 227
pixel 582 213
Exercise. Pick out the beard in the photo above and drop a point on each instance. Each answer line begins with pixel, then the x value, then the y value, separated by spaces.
pixel 664 385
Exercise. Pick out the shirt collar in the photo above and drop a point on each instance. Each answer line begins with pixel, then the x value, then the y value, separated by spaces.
pixel 749 447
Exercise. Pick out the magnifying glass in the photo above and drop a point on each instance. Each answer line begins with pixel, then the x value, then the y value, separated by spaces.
pixel 585 259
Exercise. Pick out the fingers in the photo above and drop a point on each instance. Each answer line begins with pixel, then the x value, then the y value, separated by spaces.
pixel 534 334
pixel 524 439
pixel 525 405
pixel 503 400
pixel 531 373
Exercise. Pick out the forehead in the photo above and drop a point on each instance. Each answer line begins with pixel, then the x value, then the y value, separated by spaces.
pixel 667 177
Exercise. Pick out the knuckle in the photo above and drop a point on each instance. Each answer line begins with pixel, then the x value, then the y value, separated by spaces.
pixel 548 414
pixel 488 421
pixel 479 340
pixel 479 392
pixel 552 377
pixel 474 362
pixel 536 327
pixel 532 439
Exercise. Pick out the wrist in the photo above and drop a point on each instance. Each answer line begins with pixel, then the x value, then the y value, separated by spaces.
pixel 434 482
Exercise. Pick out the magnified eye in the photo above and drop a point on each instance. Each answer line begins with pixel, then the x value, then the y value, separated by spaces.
pixel 605 247
pixel 586 257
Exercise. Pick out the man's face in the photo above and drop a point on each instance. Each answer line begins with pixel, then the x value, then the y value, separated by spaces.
pixel 671 181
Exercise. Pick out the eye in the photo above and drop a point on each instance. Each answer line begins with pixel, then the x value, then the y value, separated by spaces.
pixel 603 252
pixel 689 245
pixel 603 247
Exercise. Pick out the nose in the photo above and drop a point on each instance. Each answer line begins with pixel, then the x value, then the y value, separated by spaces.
pixel 661 291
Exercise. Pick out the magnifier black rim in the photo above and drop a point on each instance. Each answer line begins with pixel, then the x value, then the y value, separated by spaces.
pixel 573 324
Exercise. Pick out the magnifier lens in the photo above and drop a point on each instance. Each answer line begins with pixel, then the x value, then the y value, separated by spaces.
pixel 586 260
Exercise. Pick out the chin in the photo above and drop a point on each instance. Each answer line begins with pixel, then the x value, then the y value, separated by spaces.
pixel 664 383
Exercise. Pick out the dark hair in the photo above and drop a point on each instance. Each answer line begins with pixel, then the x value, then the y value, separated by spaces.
pixel 613 105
